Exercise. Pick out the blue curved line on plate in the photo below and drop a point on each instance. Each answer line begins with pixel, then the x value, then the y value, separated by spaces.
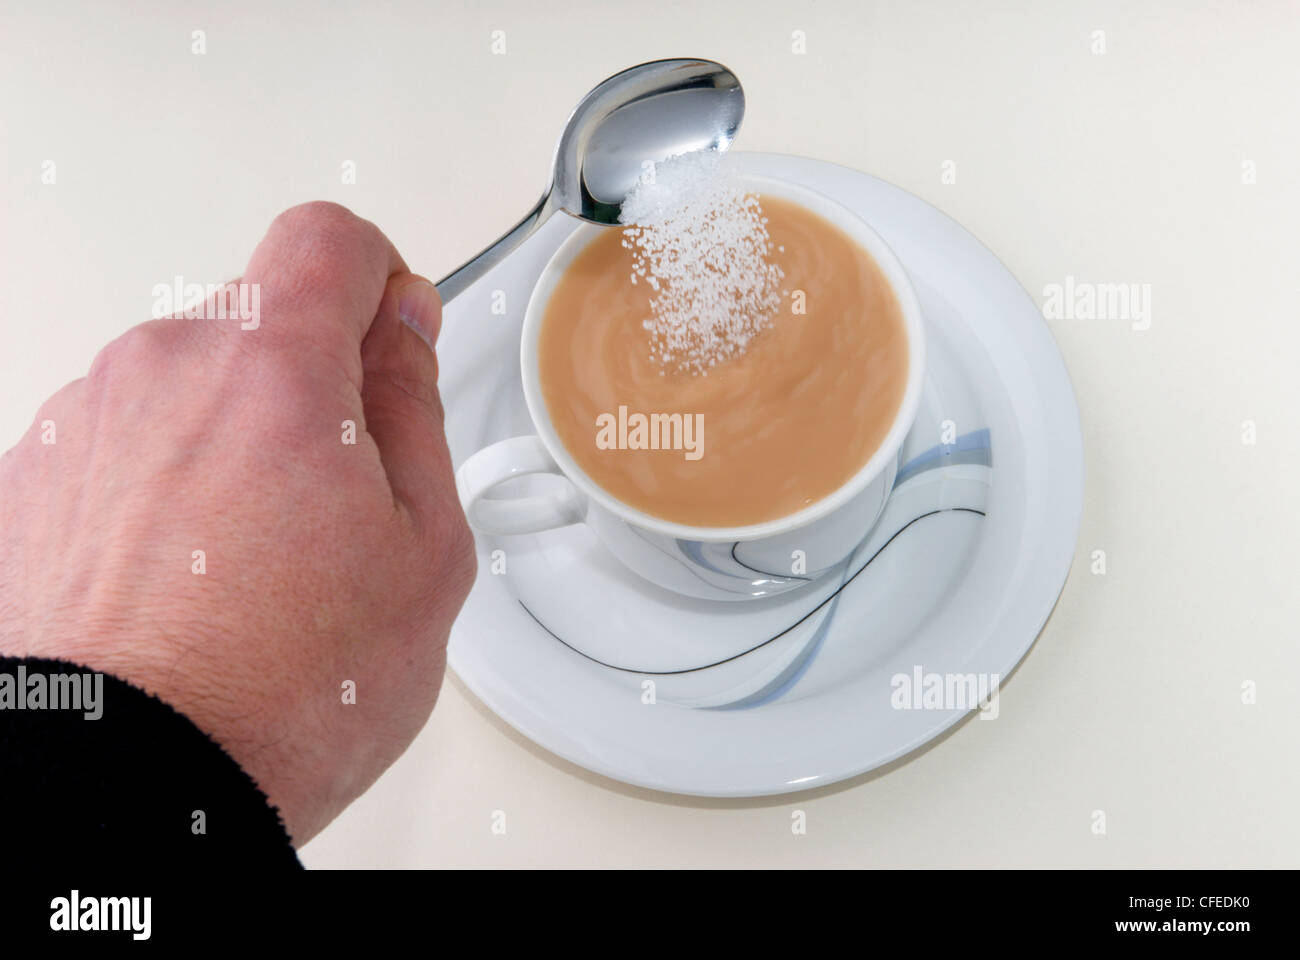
pixel 682 561
pixel 785 683
pixel 736 656
pixel 782 684
pixel 694 550
pixel 973 447
pixel 969 448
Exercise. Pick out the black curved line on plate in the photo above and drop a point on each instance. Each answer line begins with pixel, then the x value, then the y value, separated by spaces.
pixel 737 656
pixel 690 568
pixel 972 447
pixel 774 576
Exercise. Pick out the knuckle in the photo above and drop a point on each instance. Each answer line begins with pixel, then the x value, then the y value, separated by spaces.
pixel 318 218
pixel 323 231
pixel 453 543
pixel 60 403
pixel 311 248
pixel 140 348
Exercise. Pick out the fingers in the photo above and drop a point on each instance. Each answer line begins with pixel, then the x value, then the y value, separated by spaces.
pixel 321 272
pixel 400 395
pixel 331 285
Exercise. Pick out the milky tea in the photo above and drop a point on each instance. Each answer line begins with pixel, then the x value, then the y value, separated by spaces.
pixel 766 431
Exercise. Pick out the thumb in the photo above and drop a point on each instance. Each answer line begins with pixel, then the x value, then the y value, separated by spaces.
pixel 399 393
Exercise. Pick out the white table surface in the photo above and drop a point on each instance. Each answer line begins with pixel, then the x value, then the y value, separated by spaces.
pixel 1119 167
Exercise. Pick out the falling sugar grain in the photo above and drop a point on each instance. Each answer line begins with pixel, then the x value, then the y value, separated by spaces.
pixel 700 241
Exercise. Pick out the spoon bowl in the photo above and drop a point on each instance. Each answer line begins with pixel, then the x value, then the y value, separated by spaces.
pixel 638 117
pixel 630 121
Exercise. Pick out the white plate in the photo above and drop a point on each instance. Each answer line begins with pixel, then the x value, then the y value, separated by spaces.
pixel 771 696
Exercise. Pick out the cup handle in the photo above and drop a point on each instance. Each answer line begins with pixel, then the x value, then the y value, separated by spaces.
pixel 500 462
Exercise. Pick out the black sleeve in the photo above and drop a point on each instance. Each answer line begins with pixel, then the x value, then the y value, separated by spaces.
pixel 139 783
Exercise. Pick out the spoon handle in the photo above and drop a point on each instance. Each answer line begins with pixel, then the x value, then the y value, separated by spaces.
pixel 454 283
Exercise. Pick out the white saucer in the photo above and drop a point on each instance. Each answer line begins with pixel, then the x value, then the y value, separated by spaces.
pixel 770 696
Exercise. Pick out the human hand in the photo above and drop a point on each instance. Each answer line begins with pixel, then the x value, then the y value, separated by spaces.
pixel 325 562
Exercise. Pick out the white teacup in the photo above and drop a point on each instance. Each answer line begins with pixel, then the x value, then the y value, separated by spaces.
pixel 732 563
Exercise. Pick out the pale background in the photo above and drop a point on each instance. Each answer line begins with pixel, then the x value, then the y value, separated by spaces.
pixel 1122 167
